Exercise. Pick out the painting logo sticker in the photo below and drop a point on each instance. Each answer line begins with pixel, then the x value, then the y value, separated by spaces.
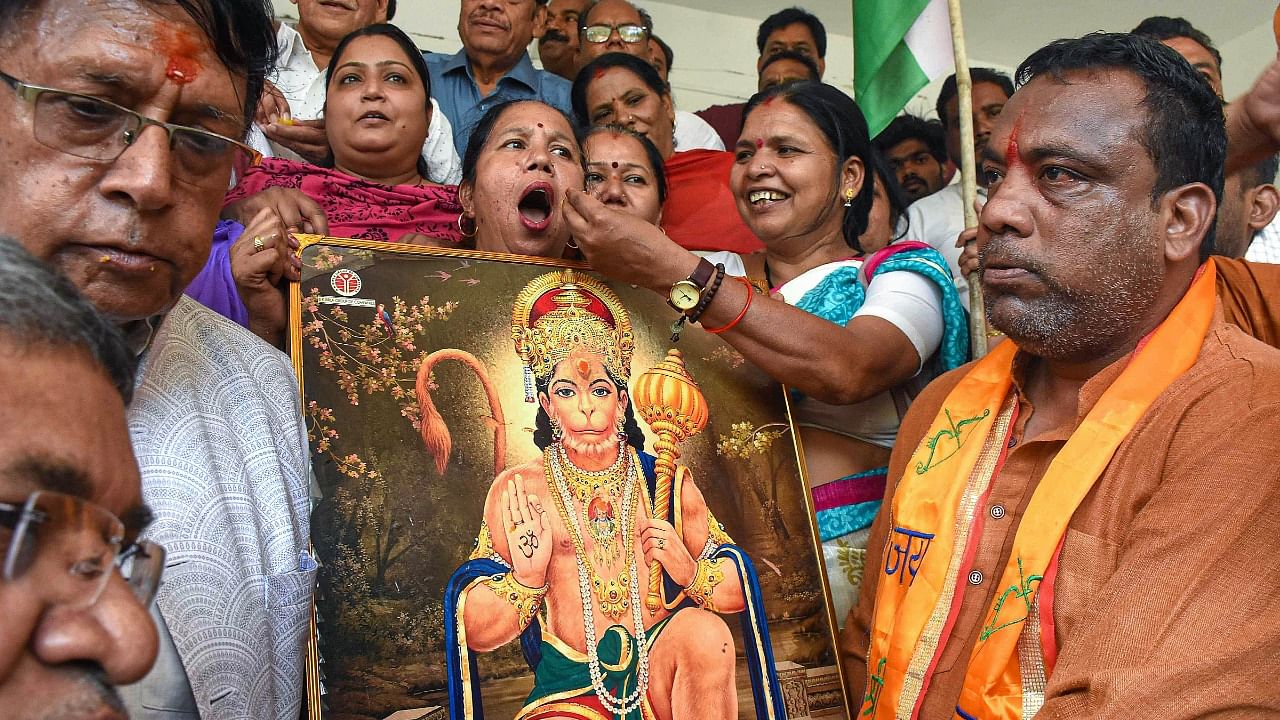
pixel 346 282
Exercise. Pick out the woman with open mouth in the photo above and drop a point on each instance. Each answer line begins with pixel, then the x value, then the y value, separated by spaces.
pixel 855 336
pixel 373 185
pixel 620 89
pixel 522 160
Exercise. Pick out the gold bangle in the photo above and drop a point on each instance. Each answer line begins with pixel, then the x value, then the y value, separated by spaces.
pixel 526 600
pixel 705 579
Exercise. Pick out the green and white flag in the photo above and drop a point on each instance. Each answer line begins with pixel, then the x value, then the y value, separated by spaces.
pixel 899 46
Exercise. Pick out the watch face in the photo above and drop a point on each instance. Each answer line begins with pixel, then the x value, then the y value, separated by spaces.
pixel 684 295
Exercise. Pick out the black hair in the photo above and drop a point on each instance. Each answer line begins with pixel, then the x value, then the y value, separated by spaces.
pixel 878 168
pixel 240 32
pixel 416 61
pixel 841 121
pixel 608 61
pixel 43 309
pixel 1185 135
pixel 667 52
pixel 480 135
pixel 978 75
pixel 1161 27
pixel 650 151
pixel 801 58
pixel 910 127
pixel 1265 172
pixel 391 10
pixel 793 16
pixel 542 435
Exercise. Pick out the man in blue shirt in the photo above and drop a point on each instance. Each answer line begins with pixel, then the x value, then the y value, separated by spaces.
pixel 493 65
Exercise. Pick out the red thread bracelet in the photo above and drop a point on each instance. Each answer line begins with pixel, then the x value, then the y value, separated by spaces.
pixel 751 293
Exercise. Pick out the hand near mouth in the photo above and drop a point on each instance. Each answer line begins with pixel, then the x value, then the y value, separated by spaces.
pixel 623 247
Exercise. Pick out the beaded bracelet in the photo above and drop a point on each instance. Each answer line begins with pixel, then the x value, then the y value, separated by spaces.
pixel 705 300
pixel 733 323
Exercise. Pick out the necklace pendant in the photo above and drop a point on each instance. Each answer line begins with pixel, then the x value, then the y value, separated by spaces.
pixel 612 595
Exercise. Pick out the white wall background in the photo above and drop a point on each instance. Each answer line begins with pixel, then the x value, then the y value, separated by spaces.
pixel 716 54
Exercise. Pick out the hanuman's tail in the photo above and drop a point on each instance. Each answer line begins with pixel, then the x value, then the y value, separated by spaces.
pixel 435 434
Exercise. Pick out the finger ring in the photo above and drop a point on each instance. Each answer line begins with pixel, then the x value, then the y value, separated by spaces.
pixel 662 543
pixel 258 245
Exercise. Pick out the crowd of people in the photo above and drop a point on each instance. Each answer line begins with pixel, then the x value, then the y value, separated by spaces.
pixel 1091 535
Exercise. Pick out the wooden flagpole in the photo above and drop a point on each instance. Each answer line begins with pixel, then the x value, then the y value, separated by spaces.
pixel 968 176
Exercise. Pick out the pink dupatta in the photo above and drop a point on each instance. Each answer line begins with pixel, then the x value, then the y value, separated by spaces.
pixel 357 208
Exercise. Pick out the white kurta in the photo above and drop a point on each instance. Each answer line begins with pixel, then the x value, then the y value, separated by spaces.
pixel 217 428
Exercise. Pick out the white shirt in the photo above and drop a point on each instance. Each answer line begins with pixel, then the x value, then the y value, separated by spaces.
pixel 694 133
pixel 216 424
pixel 303 86
pixel 1266 243
pixel 937 220
pixel 912 303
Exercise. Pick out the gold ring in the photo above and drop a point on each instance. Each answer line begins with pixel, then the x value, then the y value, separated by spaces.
pixel 258 245
pixel 662 543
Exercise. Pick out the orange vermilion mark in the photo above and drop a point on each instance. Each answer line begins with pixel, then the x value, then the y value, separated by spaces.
pixel 1012 158
pixel 181 47
pixel 584 368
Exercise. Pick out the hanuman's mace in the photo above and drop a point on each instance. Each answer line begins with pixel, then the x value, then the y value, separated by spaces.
pixel 670 402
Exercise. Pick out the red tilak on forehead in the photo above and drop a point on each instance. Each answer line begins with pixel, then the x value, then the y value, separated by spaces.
pixel 769 100
pixel 1012 157
pixel 598 74
pixel 181 47
pixel 759 143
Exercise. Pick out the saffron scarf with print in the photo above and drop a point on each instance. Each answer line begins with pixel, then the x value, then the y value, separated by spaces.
pixel 931 540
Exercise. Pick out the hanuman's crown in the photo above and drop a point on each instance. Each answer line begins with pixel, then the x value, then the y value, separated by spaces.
pixel 562 311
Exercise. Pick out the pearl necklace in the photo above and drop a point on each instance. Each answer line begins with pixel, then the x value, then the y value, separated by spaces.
pixel 633 700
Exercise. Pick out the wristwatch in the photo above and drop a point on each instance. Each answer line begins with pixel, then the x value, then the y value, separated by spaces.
pixel 685 295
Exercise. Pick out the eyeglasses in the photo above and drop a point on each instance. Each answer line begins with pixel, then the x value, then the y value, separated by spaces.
pixel 67 547
pixel 629 33
pixel 96 129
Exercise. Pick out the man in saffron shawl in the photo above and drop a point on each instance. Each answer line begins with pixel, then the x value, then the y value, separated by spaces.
pixel 1081 521
pixel 569 537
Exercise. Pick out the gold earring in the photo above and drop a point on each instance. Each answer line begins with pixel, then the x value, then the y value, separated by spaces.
pixel 848 197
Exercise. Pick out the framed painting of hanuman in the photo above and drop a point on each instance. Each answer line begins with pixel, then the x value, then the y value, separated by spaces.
pixel 534 505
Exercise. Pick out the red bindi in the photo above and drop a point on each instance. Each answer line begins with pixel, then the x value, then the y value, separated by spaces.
pixel 759 143
pixel 181 47
pixel 539 124
pixel 615 165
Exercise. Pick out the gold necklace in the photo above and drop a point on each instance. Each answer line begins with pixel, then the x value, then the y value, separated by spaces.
pixel 587 484
pixel 612 593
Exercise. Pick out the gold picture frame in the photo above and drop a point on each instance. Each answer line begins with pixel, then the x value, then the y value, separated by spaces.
pixel 362 319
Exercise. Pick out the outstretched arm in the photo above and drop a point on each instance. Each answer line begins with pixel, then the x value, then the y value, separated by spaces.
pixel 500 608
pixel 838 365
